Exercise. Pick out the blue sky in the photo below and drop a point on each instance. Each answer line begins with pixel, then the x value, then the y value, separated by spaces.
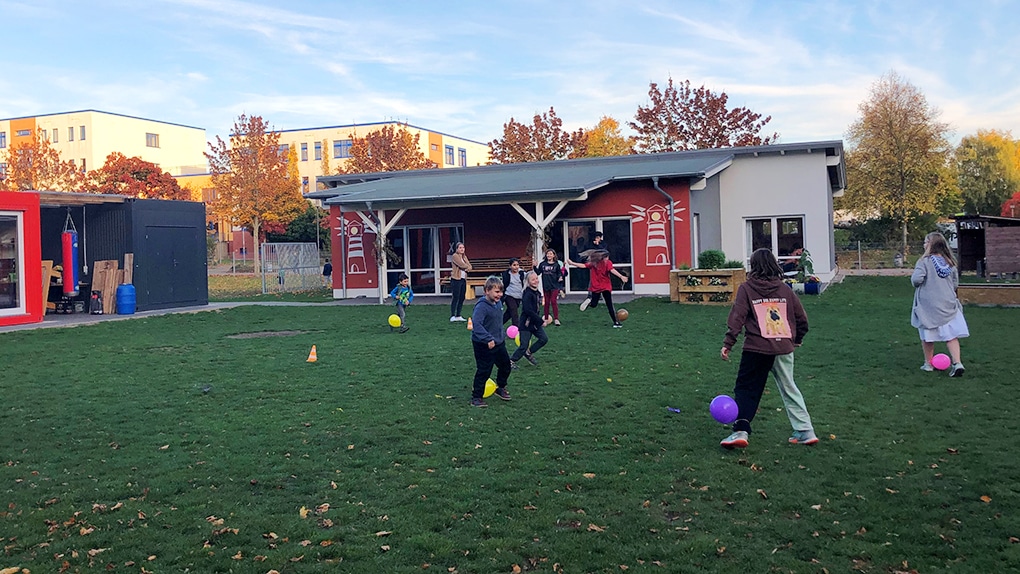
pixel 466 67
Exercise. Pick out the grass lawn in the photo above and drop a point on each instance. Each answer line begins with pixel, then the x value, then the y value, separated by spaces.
pixel 168 444
pixel 248 287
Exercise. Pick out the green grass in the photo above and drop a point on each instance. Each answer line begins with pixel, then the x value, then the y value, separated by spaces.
pixel 248 287
pixel 113 457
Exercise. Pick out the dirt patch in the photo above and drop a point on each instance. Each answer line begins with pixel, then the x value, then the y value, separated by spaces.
pixel 267 334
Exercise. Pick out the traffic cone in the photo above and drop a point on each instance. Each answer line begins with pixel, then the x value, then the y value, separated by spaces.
pixel 471 325
pixel 312 357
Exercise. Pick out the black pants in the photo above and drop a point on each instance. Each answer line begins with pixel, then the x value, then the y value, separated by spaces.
pixel 485 358
pixel 526 334
pixel 608 297
pixel 458 288
pixel 752 375
pixel 512 304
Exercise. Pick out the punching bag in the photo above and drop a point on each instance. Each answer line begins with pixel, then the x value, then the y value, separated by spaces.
pixel 69 244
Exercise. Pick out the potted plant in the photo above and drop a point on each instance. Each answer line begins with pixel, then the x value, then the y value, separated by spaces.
pixel 805 280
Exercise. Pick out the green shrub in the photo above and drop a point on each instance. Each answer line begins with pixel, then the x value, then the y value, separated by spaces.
pixel 711 259
pixel 733 264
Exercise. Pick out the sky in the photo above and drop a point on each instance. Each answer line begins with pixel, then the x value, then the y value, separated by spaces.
pixel 466 67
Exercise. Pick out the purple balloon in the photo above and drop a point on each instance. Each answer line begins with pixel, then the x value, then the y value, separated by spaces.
pixel 724 409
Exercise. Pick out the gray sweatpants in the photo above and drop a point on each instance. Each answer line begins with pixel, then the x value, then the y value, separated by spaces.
pixel 793 400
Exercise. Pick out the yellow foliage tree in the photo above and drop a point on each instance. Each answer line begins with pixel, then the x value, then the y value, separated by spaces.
pixel 605 140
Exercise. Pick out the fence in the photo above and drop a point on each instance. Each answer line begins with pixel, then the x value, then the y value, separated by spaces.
pixel 290 267
pixel 858 255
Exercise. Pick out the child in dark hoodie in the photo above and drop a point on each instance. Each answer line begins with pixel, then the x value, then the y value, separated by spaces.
pixel 773 322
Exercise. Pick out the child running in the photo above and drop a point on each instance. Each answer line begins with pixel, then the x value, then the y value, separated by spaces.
pixel 937 313
pixel 531 323
pixel 488 343
pixel 773 322
pixel 601 285
pixel 403 296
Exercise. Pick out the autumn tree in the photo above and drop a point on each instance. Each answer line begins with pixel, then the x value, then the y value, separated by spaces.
pixel 898 158
pixel 387 149
pixel 34 164
pixel 252 183
pixel 604 140
pixel 543 140
pixel 988 168
pixel 680 118
pixel 1011 207
pixel 325 158
pixel 134 177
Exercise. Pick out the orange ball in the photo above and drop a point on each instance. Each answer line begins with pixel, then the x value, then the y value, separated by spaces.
pixel 622 314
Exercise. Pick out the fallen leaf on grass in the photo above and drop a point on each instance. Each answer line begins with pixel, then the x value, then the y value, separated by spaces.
pixel 86 531
pixel 305 543
pixel 322 508
pixel 952 451
pixel 816 506
pixel 260 558
pixel 595 528
pixel 164 447
pixel 325 543
pixel 762 493
pixel 516 569
pixel 986 499
pixel 589 475
pixel 237 556
pixel 303 512
pixel 383 533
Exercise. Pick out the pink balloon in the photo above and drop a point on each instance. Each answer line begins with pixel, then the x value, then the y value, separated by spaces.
pixel 941 361
pixel 724 409
pixel 512 331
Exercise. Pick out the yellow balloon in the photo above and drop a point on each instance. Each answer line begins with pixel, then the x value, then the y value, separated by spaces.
pixel 517 340
pixel 394 320
pixel 490 387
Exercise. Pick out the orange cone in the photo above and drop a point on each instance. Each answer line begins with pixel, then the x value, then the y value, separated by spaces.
pixel 312 357
pixel 471 325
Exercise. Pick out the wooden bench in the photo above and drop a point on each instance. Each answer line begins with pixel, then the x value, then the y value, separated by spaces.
pixel 482 268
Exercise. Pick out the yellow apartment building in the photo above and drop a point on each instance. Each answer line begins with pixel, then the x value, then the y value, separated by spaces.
pixel 334 144
pixel 87 137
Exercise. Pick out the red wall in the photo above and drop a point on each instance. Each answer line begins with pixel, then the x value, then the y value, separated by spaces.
pixel 28 204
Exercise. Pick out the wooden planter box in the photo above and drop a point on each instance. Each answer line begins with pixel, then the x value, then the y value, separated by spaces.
pixel 1007 295
pixel 707 286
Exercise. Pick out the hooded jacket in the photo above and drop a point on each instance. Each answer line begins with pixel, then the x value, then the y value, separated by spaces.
pixel 771 316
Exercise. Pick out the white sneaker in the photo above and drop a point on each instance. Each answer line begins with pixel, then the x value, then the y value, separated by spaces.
pixel 585 303
pixel 453 319
pixel 956 370
pixel 735 440
pixel 927 367
pixel 461 319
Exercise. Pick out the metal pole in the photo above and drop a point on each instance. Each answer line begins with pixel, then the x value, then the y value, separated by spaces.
pixel 859 265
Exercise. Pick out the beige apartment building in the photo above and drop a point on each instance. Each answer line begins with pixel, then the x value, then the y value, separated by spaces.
pixel 333 144
pixel 87 137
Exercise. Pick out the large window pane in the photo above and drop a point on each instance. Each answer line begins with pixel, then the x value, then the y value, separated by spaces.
pixel 10 276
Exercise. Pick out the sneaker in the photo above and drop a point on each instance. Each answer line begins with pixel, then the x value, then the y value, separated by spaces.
pixel 503 394
pixel 805 437
pixel 735 440
pixel 927 367
pixel 585 303
pixel 404 329
pixel 453 319
pixel 513 365
pixel 531 359
pixel 478 403
pixel 617 325
pixel 956 370
pixel 459 318
pixel 557 322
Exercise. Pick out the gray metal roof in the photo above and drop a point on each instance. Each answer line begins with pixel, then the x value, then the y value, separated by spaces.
pixel 537 181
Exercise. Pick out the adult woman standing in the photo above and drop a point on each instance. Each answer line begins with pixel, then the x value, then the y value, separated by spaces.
pixel 458 281
pixel 937 313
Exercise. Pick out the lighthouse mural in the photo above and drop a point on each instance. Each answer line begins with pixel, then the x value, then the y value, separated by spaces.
pixel 656 218
pixel 355 247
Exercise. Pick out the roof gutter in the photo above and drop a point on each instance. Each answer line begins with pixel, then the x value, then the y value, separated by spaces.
pixel 672 222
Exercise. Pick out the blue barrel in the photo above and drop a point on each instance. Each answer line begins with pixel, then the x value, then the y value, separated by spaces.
pixel 126 299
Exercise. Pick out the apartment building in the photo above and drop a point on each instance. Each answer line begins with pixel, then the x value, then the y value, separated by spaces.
pixel 333 144
pixel 87 137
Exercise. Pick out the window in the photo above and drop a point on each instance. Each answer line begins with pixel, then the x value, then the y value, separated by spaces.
pixel 304 185
pixel 318 151
pixel 449 155
pixel 462 154
pixel 284 151
pixel 56 135
pixel 434 147
pixel 783 235
pixel 70 134
pixel 342 148
pixel 83 165
pixel 12 287
pixel 82 138
pixel 24 133
pixel 151 140
pixel 304 152
pixel 3 139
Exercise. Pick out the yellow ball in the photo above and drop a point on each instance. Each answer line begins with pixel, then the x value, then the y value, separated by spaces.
pixel 490 387
pixel 394 320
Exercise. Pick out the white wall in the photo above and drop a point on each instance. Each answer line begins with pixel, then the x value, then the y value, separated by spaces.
pixel 778 186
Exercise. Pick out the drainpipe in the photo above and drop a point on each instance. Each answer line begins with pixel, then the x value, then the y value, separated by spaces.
pixel 672 223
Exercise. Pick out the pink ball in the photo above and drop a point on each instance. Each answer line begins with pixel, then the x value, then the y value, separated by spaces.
pixel 941 361
pixel 512 331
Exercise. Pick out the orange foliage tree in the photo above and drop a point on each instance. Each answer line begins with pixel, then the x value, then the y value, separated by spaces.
pixel 36 165
pixel 135 177
pixel 604 140
pixel 253 187
pixel 387 149
pixel 543 140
